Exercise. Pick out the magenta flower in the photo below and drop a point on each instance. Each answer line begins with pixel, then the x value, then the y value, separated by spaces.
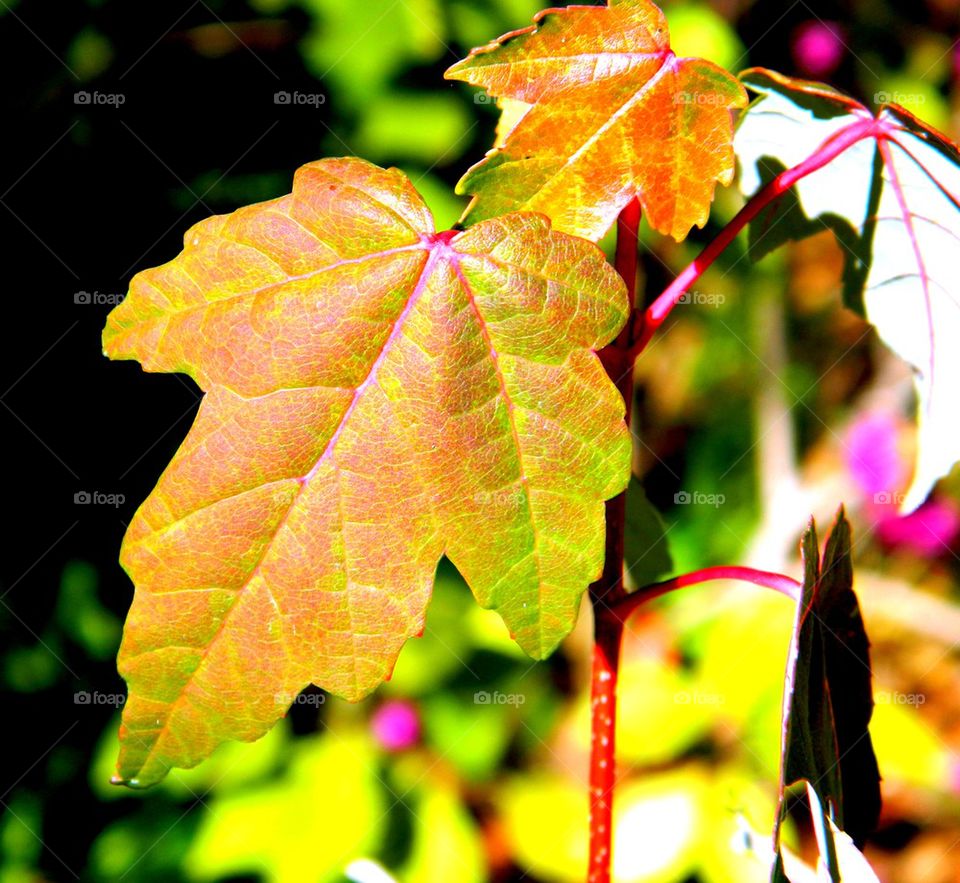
pixel 818 48
pixel 929 531
pixel 396 725
pixel 873 458
pixel 878 466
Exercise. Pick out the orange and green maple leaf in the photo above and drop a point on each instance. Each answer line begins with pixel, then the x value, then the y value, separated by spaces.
pixel 377 395
pixel 614 114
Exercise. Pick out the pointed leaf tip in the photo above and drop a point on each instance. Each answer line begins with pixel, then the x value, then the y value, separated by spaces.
pixel 376 396
pixel 615 115
pixel 828 692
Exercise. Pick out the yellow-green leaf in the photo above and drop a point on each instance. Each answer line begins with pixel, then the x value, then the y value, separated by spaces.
pixel 377 395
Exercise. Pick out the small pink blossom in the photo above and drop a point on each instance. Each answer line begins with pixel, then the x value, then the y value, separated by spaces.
pixel 396 725
pixel 877 464
pixel 818 48
pixel 927 532
pixel 873 456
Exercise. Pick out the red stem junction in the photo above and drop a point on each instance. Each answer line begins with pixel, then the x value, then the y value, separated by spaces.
pixel 831 148
pixel 611 604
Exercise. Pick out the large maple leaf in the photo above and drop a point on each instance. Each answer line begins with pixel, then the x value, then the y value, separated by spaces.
pixel 892 196
pixel 615 114
pixel 377 396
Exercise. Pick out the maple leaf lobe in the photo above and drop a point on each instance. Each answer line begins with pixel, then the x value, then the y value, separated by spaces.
pixel 377 395
pixel 614 114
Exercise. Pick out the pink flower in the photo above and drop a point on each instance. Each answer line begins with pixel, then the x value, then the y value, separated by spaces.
pixel 877 465
pixel 873 456
pixel 818 48
pixel 927 532
pixel 396 725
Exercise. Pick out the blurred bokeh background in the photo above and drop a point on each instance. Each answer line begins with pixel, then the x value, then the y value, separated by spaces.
pixel 763 401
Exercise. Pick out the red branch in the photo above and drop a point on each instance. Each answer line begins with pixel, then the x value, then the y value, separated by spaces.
pixel 620 610
pixel 611 604
pixel 608 635
pixel 609 623
pixel 618 361
pixel 836 144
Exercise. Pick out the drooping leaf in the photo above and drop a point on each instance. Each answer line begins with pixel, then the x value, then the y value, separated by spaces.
pixel 893 198
pixel 615 114
pixel 828 696
pixel 377 395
